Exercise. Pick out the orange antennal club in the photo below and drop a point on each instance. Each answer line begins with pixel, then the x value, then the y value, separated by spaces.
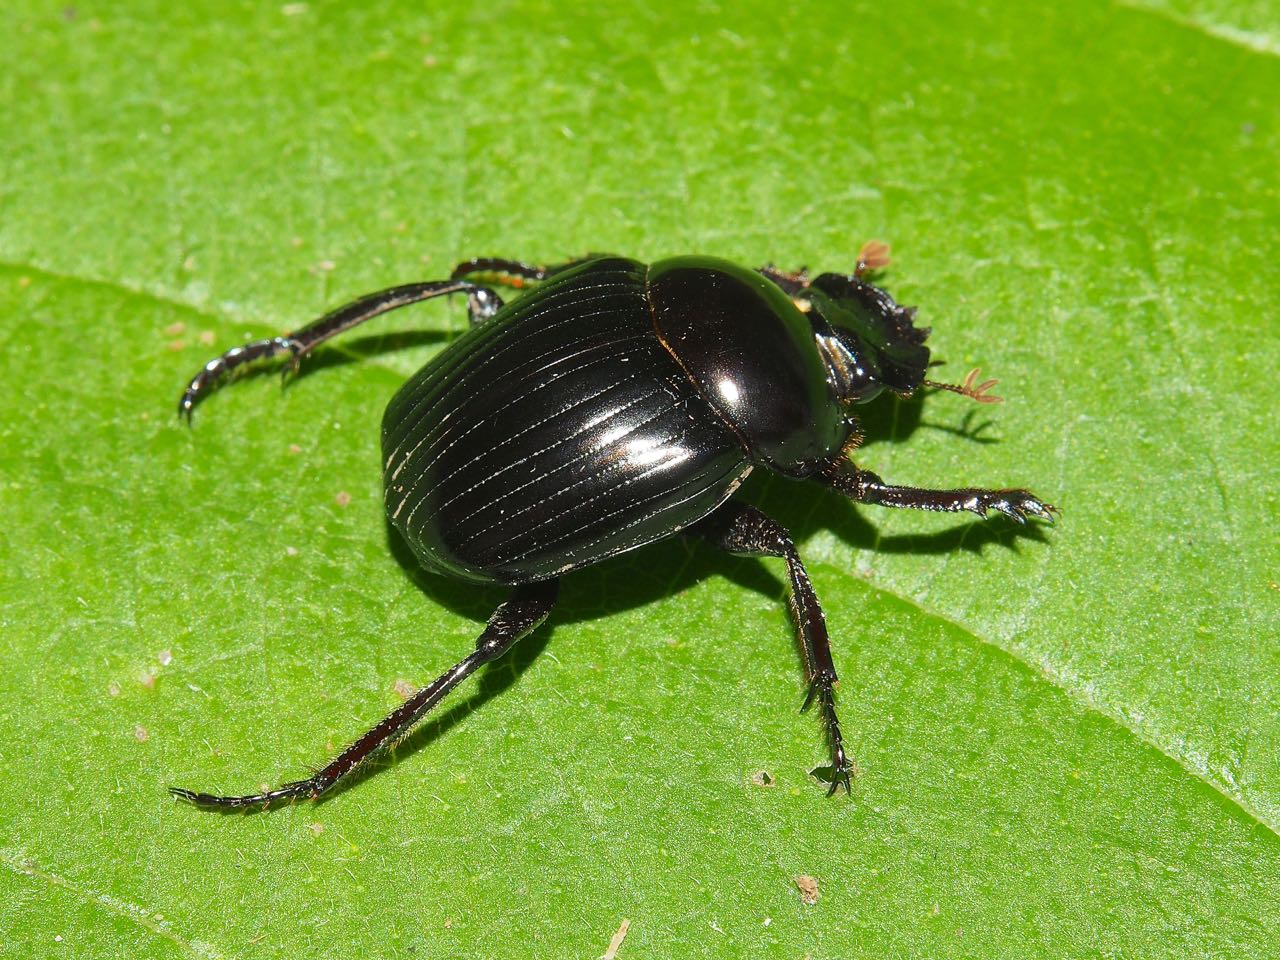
pixel 874 255
pixel 970 389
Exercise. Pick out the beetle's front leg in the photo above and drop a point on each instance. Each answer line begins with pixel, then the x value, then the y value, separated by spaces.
pixel 740 528
pixel 873 256
pixel 866 487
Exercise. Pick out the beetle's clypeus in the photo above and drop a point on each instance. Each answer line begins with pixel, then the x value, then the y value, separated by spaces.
pixel 616 404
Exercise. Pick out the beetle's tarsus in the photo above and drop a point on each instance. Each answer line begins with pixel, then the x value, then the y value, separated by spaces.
pixel 1017 505
pixel 298 790
pixel 220 367
pixel 867 487
pixel 836 777
pixel 840 770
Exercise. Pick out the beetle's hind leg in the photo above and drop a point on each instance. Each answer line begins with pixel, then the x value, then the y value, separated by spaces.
pixel 338 321
pixel 522 612
pixel 867 487
pixel 741 528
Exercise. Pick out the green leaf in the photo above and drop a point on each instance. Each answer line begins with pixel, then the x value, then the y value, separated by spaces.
pixel 1067 739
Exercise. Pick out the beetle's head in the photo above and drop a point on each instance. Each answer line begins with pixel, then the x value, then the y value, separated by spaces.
pixel 868 342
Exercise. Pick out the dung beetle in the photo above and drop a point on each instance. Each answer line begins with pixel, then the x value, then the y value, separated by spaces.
pixel 614 405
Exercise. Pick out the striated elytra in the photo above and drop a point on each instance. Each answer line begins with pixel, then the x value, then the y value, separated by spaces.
pixel 616 404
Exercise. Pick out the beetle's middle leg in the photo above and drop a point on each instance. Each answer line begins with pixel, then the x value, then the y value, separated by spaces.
pixel 526 608
pixel 514 273
pixel 741 528
pixel 867 487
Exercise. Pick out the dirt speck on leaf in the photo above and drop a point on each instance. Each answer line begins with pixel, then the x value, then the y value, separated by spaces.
pixel 808 887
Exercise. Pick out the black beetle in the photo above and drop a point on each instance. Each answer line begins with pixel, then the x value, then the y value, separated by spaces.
pixel 616 404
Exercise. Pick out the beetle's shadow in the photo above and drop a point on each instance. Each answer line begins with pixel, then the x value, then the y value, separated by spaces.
pixel 361 349
pixel 672 566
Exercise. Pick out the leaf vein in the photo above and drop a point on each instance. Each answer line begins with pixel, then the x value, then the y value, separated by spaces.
pixel 1244 39
pixel 1047 671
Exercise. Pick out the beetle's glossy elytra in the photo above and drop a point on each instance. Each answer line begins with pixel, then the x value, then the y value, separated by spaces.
pixel 555 435
pixel 614 405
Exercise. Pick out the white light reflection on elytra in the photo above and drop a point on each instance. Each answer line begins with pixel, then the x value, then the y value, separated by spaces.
pixel 646 452
pixel 610 437
pixel 729 390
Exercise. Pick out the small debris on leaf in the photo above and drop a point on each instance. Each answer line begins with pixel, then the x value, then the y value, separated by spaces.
pixel 808 887
pixel 616 942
